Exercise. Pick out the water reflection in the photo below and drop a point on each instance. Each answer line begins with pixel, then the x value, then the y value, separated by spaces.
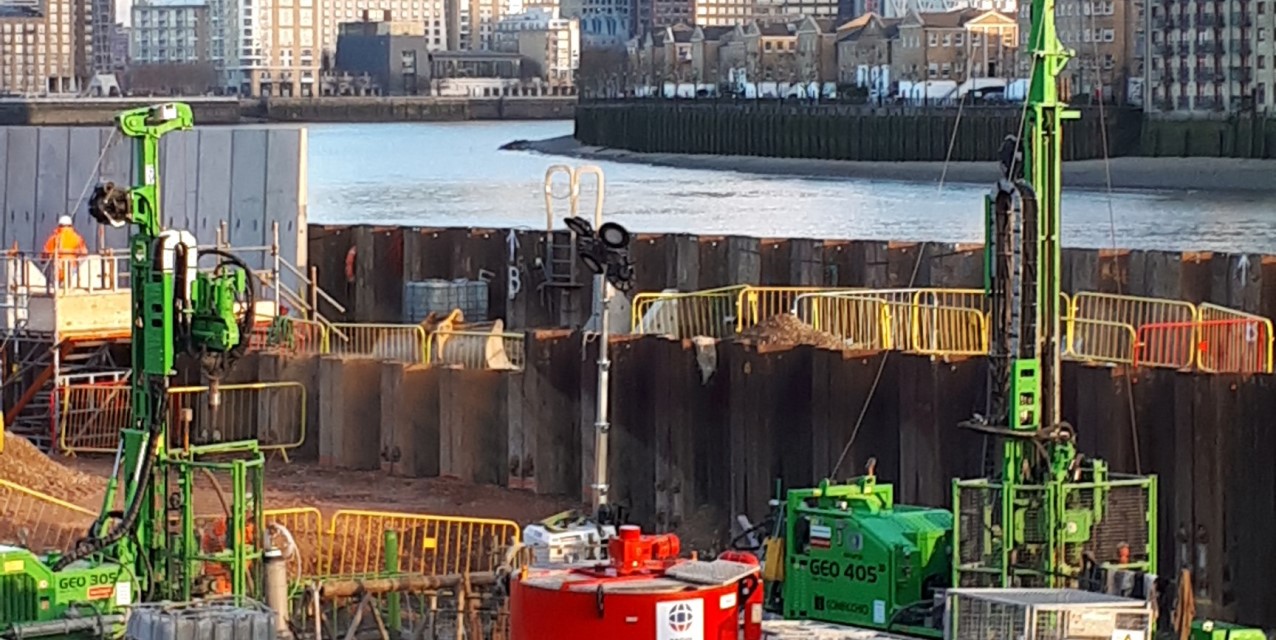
pixel 452 174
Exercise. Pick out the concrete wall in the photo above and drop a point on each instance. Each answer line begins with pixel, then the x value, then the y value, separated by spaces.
pixel 410 109
pixel 688 262
pixel 249 177
pixel 101 111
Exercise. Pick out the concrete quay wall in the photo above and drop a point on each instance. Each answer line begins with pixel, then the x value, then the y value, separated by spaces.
pixel 689 262
pixel 409 109
pixel 102 111
pixel 700 434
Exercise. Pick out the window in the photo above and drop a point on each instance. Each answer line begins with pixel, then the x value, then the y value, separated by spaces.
pixel 932 39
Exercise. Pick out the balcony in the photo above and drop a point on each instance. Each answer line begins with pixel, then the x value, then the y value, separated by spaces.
pixel 1243 75
pixel 1242 19
pixel 1184 48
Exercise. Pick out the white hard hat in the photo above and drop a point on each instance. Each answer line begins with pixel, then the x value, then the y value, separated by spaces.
pixel 64 221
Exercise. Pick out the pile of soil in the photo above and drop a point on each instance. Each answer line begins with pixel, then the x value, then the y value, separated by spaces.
pixel 785 329
pixel 23 464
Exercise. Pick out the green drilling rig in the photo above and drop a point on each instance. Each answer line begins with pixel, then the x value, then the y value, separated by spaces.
pixel 1045 516
pixel 144 547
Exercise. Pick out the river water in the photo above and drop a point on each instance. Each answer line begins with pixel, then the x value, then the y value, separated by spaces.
pixel 453 174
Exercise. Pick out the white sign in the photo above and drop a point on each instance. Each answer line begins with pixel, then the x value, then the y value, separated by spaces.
pixel 680 620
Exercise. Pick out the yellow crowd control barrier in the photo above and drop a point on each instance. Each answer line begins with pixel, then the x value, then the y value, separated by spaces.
pixel 1230 341
pixel 948 331
pixel 476 350
pixel 755 305
pixel 710 313
pixel 40 522
pixel 863 322
pixel 308 541
pixel 429 545
pixel 90 417
pixel 273 413
pixel 1100 341
pixel 289 335
pixel 402 342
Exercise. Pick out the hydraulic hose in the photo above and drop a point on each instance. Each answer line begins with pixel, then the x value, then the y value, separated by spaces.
pixel 92 544
pixel 216 365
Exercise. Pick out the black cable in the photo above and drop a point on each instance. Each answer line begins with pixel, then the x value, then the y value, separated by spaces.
pixel 92 544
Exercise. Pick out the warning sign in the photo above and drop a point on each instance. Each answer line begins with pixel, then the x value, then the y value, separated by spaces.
pixel 1122 634
pixel 101 592
pixel 680 620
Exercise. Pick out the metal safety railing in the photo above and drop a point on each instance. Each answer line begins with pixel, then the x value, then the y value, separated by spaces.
pixel 428 544
pixel 941 322
pixel 402 342
pixel 40 522
pixel 272 413
pixel 300 533
pixel 291 335
pixel 475 350
pixel 1230 341
pixel 1099 328
pixel 755 305
pixel 712 313
pixel 91 416
pixel 352 542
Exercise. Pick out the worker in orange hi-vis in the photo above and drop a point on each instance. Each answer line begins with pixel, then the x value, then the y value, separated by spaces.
pixel 63 245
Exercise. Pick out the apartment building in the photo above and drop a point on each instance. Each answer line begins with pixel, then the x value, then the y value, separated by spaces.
pixel 471 23
pixel 864 49
pixel 604 24
pixel 1210 55
pixel 723 13
pixel 394 55
pixel 1099 32
pixel 45 46
pixel 268 47
pixel 957 45
pixel 550 43
pixel 430 13
pixel 170 32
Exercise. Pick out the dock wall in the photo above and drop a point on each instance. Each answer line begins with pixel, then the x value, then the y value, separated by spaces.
pixel 883 134
pixel 701 433
pixel 836 132
pixel 689 262
pixel 250 178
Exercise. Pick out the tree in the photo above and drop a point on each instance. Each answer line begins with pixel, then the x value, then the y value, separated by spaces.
pixel 601 68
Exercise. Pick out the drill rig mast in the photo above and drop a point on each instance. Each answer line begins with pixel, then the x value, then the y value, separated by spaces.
pixel 1046 517
pixel 147 548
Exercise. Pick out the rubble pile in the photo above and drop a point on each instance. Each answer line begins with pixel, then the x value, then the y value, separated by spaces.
pixel 23 464
pixel 785 329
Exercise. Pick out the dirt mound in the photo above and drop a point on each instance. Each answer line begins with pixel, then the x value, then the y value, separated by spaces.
pixel 22 463
pixel 786 329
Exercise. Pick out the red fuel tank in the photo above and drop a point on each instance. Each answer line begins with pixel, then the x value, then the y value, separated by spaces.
pixel 643 592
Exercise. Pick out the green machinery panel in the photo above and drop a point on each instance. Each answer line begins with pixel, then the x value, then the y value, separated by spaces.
pixel 854 557
pixel 1211 630
pixel 30 591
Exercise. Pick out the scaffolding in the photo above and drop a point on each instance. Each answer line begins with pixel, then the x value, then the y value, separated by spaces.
pixel 66 322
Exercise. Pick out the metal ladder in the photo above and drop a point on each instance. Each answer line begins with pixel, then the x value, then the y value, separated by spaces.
pixel 560 262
